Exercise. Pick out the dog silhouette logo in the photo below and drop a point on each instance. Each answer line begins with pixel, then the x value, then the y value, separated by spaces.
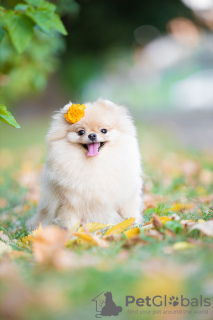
pixel 105 306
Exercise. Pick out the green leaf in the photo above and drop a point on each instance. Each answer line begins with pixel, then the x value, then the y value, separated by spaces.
pixel 47 5
pixel 2 33
pixel 35 3
pixel 41 17
pixel 20 29
pixel 21 7
pixel 58 25
pixel 2 12
pixel 46 20
pixel 7 117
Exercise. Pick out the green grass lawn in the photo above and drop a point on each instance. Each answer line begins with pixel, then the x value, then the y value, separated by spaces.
pixel 167 259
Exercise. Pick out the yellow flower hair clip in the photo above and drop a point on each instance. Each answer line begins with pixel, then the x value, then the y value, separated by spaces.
pixel 75 113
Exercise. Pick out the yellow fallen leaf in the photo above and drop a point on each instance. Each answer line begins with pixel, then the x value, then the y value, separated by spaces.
pixel 200 220
pixel 163 219
pixel 118 228
pixel 183 245
pixel 26 240
pixel 91 238
pixel 91 227
pixel 132 232
pixel 181 206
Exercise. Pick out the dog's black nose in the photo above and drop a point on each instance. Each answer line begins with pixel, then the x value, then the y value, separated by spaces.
pixel 92 136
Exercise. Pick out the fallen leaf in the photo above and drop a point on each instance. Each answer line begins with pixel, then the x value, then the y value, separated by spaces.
pixel 48 247
pixel 182 206
pixel 183 245
pixel 132 232
pixel 91 238
pixel 118 228
pixel 153 233
pixel 205 227
pixel 26 240
pixel 156 222
pixel 91 227
pixel 163 219
pixel 151 200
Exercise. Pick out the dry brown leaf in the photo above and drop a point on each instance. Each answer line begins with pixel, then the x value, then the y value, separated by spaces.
pixel 151 200
pixel 134 241
pixel 154 234
pixel 205 227
pixel 91 238
pixel 48 247
pixel 118 228
pixel 163 219
pixel 156 222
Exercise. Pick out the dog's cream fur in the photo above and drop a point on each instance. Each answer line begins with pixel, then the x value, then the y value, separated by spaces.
pixel 106 188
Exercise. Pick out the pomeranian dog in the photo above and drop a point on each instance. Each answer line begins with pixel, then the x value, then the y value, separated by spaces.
pixel 93 168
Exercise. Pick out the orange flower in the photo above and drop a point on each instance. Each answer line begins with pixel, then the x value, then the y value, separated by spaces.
pixel 75 113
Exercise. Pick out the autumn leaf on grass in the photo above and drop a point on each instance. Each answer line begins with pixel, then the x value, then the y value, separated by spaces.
pixel 48 247
pixel 156 221
pixel 183 245
pixel 160 221
pixel 176 207
pixel 132 232
pixel 205 227
pixel 91 227
pixel 151 200
pixel 26 240
pixel 91 238
pixel 120 227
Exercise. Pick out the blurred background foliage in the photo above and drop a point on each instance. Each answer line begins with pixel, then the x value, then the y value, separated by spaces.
pixel 155 57
pixel 98 32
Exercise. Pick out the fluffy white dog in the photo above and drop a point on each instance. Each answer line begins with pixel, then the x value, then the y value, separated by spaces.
pixel 93 168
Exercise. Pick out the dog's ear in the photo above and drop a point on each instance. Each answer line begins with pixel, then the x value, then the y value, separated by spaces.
pixel 66 107
pixel 58 128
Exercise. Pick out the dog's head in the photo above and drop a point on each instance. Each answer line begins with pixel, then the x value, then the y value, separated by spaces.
pixel 102 125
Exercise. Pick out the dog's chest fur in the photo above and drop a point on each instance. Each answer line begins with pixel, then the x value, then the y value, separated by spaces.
pixel 94 181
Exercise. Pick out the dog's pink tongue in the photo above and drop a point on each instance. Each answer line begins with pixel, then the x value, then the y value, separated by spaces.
pixel 93 149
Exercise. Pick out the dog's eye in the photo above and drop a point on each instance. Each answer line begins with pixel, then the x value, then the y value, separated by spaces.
pixel 81 132
pixel 104 130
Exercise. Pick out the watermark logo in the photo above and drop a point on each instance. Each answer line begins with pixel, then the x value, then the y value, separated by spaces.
pixel 173 301
pixel 105 305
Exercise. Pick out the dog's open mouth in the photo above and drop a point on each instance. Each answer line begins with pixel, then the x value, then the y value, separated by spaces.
pixel 93 148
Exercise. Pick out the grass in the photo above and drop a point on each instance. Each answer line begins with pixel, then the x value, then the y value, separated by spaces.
pixel 177 180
